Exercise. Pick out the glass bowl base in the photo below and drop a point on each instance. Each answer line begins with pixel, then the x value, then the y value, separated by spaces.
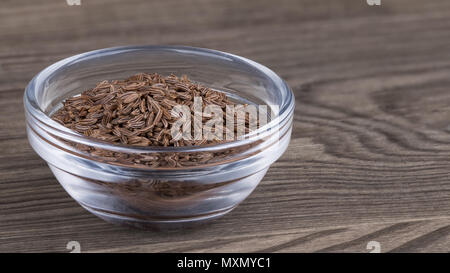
pixel 157 224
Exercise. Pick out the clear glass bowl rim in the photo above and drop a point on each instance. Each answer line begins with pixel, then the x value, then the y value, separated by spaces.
pixel 38 82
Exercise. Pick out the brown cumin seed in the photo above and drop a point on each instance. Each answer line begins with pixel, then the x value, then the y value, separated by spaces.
pixel 137 111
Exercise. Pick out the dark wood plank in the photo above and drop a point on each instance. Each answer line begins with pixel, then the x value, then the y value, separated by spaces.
pixel 369 156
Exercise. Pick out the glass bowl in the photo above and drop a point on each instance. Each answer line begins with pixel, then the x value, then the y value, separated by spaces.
pixel 110 181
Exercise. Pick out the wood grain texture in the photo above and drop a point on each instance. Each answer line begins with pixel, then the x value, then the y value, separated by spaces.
pixel 369 158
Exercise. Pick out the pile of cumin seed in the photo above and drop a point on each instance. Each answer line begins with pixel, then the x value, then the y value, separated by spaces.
pixel 136 111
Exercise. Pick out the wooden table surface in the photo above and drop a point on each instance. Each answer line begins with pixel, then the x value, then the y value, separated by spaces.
pixel 369 158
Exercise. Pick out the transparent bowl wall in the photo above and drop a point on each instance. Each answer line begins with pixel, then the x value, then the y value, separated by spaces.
pixel 160 197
